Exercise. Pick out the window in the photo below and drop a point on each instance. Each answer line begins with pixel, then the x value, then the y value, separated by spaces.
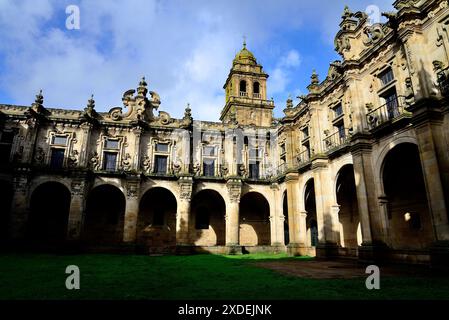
pixel 243 86
pixel 305 133
pixel 256 88
pixel 386 77
pixel 338 110
pixel 6 146
pixel 59 140
pixel 110 161
pixel 209 167
pixel 202 220
pixel 209 151
pixel 283 148
pixel 391 101
pixel 112 144
pixel 160 164
pixel 341 130
pixel 57 158
pixel 162 147
pixel 254 170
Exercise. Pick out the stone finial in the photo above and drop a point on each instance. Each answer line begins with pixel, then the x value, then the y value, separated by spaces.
pixel 39 98
pixel 289 102
pixel 91 102
pixel 142 89
pixel 244 42
pixel 346 13
pixel 314 77
pixel 188 112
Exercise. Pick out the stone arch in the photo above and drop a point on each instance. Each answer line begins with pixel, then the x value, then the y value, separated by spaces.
pixel 156 223
pixel 49 213
pixel 6 195
pixel 37 182
pixel 99 183
pixel 208 225
pixel 254 214
pixel 155 184
pixel 408 214
pixel 243 86
pixel 380 159
pixel 341 165
pixel 310 208
pixel 104 216
pixel 348 215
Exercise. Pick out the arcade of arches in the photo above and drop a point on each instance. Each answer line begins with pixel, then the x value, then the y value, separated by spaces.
pixel 263 221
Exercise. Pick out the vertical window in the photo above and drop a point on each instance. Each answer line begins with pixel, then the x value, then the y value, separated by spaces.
pixel 110 161
pixel 243 86
pixel 305 133
pixel 391 101
pixel 160 164
pixel 338 111
pixel 254 170
pixel 386 77
pixel 256 90
pixel 209 167
pixel 112 144
pixel 6 141
pixel 57 158
pixel 341 130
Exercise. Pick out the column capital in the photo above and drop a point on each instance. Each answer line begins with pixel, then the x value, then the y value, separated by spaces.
pixel 234 190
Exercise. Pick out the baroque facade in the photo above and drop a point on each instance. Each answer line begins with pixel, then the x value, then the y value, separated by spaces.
pixel 358 168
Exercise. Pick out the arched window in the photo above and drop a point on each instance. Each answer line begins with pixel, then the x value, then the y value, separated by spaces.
pixel 256 88
pixel 243 86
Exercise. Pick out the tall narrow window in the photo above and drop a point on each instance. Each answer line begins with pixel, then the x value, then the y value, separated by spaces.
pixel 386 77
pixel 57 158
pixel 256 90
pixel 208 167
pixel 254 170
pixel 338 111
pixel 160 164
pixel 110 161
pixel 391 101
pixel 242 88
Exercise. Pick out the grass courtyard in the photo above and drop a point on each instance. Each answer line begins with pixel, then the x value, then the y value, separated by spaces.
pixel 39 276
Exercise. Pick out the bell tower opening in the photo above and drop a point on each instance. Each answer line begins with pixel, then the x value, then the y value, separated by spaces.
pixel 246 92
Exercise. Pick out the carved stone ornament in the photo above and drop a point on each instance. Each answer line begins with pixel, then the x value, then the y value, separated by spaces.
pixel 373 33
pixel 126 163
pixel 95 161
pixel 72 161
pixel 235 191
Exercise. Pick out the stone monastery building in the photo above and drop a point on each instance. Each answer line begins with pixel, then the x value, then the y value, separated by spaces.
pixel 358 168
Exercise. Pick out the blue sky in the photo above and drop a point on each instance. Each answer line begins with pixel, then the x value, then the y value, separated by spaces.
pixel 184 48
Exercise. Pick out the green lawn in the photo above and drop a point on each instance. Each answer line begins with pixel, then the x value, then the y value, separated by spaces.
pixel 33 276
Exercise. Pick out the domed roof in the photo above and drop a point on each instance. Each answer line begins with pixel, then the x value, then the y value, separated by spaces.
pixel 245 56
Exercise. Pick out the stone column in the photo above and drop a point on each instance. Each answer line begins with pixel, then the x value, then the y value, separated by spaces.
pixel 232 215
pixel 132 210
pixel 77 206
pixel 276 218
pixel 19 207
pixel 183 213
pixel 373 220
pixel 303 228
pixel 327 223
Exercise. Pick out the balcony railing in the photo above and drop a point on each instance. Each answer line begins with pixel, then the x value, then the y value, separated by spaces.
pixel 336 140
pixel 303 157
pixel 387 112
pixel 443 82
pixel 243 94
pixel 257 95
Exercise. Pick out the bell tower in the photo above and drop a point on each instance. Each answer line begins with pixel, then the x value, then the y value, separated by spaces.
pixel 246 92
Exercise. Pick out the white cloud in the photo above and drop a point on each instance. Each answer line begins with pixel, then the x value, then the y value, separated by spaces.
pixel 282 74
pixel 184 49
